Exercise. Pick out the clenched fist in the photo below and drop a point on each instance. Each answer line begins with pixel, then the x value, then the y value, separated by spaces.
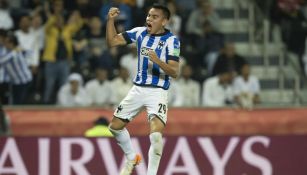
pixel 113 12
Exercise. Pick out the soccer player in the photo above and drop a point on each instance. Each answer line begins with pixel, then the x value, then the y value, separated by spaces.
pixel 158 62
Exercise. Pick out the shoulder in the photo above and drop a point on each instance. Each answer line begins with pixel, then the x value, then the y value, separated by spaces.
pixel 238 79
pixel 91 83
pixel 137 29
pixel 211 80
pixel 253 78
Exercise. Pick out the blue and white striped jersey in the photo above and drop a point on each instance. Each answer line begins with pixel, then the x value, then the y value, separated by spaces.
pixel 4 77
pixel 167 47
pixel 16 67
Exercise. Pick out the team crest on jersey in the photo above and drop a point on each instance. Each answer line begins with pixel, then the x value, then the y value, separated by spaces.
pixel 144 51
pixel 161 44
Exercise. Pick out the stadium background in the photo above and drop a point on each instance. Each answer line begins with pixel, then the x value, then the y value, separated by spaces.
pixel 270 138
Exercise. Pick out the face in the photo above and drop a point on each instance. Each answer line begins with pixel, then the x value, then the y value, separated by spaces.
pixel 245 70
pixel 186 72
pixel 172 8
pixel 155 21
pixel 230 50
pixel 227 77
pixel 95 23
pixel 101 74
pixel 74 86
pixel 36 21
pixel 206 8
pixel 58 7
pixel 25 22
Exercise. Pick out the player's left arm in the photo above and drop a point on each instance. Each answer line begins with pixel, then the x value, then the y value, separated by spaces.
pixel 171 68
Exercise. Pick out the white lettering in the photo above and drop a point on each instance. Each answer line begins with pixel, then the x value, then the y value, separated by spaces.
pixel 141 168
pixel 77 165
pixel 109 159
pixel 253 159
pixel 107 155
pixel 11 151
pixel 218 163
pixel 44 156
pixel 182 150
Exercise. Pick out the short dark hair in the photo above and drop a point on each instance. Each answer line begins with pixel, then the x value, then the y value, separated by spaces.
pixel 165 10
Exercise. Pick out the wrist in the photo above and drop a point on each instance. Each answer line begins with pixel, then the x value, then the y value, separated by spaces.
pixel 110 19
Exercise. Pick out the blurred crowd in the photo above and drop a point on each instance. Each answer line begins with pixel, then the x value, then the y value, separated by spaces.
pixel 291 17
pixel 54 52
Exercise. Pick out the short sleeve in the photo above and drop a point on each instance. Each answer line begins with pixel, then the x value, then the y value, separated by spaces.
pixel 131 35
pixel 173 45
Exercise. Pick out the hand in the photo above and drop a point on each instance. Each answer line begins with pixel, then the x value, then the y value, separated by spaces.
pixel 113 12
pixel 153 56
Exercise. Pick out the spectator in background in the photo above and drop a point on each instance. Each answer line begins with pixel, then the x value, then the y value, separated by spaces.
pixel 174 24
pixel 100 90
pixel 246 88
pixel 95 46
pixel 210 44
pixel 130 61
pixel 188 88
pixel 16 67
pixel 229 59
pixel 6 21
pixel 125 16
pixel 87 8
pixel 37 27
pixel 28 43
pixel 96 35
pixel 58 50
pixel 100 128
pixel 73 94
pixel 204 12
pixel 121 85
pixel 4 77
pixel 217 91
pixel 5 129
pixel 107 59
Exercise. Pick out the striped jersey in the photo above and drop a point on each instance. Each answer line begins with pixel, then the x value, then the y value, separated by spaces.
pixel 16 67
pixel 4 77
pixel 166 46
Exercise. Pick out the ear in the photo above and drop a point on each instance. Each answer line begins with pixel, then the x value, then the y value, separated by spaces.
pixel 164 22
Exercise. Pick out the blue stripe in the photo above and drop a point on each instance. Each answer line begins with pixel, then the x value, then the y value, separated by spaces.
pixel 156 69
pixel 25 70
pixel 19 72
pixel 166 82
pixel 145 61
pixel 139 45
pixel 132 35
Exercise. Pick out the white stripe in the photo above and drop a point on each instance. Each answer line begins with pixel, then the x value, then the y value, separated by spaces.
pixel 143 44
pixel 150 63
pixel 15 78
pixel 138 33
pixel 170 43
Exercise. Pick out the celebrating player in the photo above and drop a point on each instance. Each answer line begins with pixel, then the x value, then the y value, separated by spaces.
pixel 158 61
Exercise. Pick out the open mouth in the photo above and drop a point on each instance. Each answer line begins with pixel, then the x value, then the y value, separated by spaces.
pixel 149 26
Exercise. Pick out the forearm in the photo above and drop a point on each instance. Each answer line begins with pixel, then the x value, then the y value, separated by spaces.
pixel 169 70
pixel 110 32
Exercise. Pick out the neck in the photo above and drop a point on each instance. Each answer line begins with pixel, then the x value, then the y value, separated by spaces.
pixel 245 77
pixel 161 31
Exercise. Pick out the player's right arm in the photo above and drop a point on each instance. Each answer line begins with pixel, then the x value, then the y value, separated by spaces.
pixel 113 39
